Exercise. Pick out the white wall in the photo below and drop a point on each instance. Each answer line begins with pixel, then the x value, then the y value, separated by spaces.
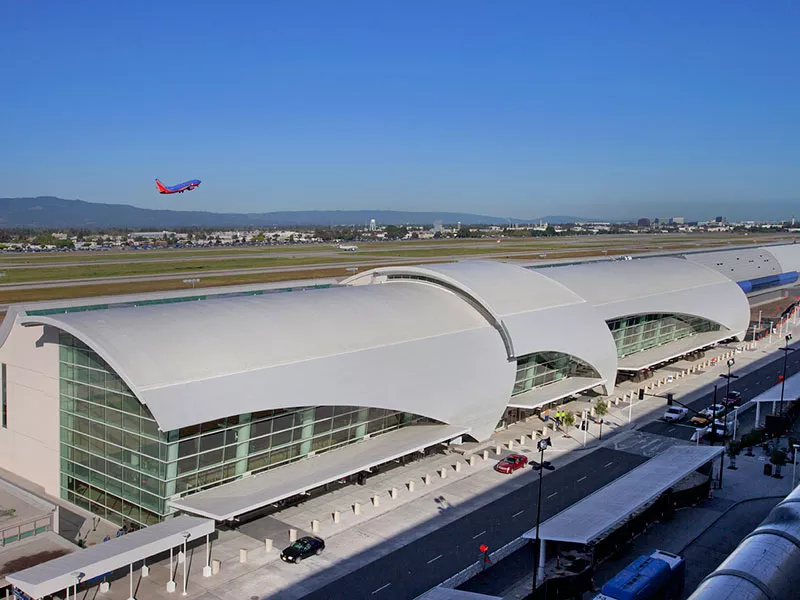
pixel 30 444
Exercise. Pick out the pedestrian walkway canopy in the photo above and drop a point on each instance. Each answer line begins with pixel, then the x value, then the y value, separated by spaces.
pixel 660 354
pixel 601 512
pixel 227 501
pixel 554 391
pixel 61 573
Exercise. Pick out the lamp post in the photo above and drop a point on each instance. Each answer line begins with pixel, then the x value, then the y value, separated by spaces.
pixel 193 282
pixel 786 351
pixel 728 378
pixel 186 535
pixel 541 445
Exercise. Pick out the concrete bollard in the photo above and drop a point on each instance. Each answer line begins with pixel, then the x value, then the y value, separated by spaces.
pixel 293 535
pixel 472 461
pixel 207 571
pixel 215 563
pixel 267 545
pixel 522 440
pixel 443 473
pixel 105 586
pixel 510 444
pixel 393 493
pixel 242 555
pixel 170 586
pixel 457 467
pixel 498 449
pixel 616 401
pixel 426 479
pixel 314 526
pixel 412 485
pixel 376 501
pixel 357 508
pixel 485 455
pixel 337 516
pixel 145 571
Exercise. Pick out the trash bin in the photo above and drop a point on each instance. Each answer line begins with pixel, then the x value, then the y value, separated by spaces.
pixel 768 469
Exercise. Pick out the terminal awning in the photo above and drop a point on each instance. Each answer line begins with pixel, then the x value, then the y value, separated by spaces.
pixel 660 354
pixel 227 501
pixel 555 391
pixel 59 574
pixel 605 509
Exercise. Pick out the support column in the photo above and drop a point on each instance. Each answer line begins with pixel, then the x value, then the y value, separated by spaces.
pixel 542 561
pixel 758 414
pixel 307 431
pixel 243 443
pixel 361 430
pixel 207 568
pixel 131 577
pixel 171 582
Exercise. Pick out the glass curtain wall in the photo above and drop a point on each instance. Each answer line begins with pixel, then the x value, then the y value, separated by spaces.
pixel 543 368
pixel 641 332
pixel 117 464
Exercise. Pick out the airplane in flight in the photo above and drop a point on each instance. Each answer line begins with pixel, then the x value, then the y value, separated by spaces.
pixel 177 189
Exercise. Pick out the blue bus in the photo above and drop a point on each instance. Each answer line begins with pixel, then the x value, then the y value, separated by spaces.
pixel 659 576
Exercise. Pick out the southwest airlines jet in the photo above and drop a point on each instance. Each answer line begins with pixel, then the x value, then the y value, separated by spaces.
pixel 177 189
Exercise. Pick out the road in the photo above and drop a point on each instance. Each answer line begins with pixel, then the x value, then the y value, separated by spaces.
pixel 417 567
pixel 750 386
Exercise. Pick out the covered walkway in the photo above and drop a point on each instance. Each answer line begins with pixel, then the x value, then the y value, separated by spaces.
pixel 69 571
pixel 227 501
pixel 555 391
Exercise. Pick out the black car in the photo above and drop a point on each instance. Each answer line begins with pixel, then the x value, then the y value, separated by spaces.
pixel 303 548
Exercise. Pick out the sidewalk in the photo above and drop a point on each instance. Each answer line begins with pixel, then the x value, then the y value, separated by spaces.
pixel 407 507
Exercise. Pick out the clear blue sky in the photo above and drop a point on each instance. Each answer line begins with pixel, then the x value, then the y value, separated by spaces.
pixel 514 108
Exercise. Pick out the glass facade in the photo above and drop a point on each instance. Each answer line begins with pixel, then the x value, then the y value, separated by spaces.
pixel 117 464
pixel 543 368
pixel 641 332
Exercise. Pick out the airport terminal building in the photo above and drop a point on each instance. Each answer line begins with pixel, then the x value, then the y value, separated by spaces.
pixel 222 401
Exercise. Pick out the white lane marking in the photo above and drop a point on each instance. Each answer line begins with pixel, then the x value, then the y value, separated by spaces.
pixel 434 559
pixel 551 495
pixel 582 478
pixel 383 587
pixel 608 464
pixel 479 535
pixel 516 514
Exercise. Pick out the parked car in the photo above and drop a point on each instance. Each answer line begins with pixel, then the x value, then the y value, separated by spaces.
pixel 675 413
pixel 303 548
pixel 732 399
pixel 511 463
pixel 713 411
pixel 700 420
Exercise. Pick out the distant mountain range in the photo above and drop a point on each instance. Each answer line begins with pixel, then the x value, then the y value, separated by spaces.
pixel 47 212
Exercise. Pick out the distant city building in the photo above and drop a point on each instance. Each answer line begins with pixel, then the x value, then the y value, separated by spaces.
pixel 719 219
pixel 676 220
pixel 437 226
pixel 643 223
pixel 372 225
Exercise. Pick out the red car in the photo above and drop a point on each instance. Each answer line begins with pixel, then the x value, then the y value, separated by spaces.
pixel 511 463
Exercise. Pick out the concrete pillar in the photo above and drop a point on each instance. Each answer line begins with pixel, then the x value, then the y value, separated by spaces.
pixel 314 526
pixel 472 461
pixel 522 440
pixel 145 571
pixel 758 414
pixel 498 449
pixel 485 455
pixel 426 479
pixel 105 586
pixel 376 501
pixel 215 566
pixel 267 545
pixel 412 485
pixel 458 467
pixel 510 444
pixel 357 508
pixel 616 401
pixel 242 555
pixel 293 535
pixel 243 443
pixel 542 562
pixel 170 587
pixel 337 516
pixel 393 493
pixel 307 429
pixel 443 473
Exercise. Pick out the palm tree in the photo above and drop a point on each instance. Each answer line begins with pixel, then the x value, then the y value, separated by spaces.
pixel 601 408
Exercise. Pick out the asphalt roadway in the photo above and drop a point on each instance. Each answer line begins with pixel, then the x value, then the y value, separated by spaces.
pixel 750 386
pixel 423 564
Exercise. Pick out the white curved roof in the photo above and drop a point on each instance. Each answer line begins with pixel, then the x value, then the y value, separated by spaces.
pixel 533 312
pixel 788 256
pixel 194 362
pixel 739 264
pixel 658 285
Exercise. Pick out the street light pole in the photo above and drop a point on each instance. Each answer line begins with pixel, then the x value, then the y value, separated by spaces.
pixel 786 351
pixel 541 445
pixel 728 378
pixel 186 535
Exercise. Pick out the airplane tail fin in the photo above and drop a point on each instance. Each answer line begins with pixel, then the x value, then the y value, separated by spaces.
pixel 161 187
